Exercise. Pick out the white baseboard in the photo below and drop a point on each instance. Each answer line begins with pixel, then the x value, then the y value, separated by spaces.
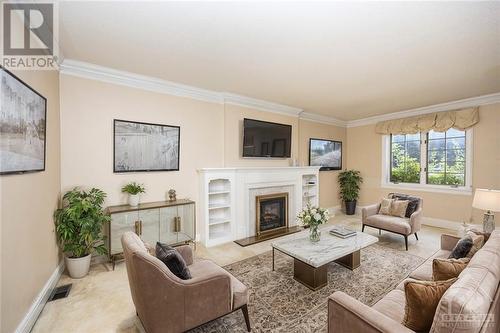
pixel 440 223
pixel 36 308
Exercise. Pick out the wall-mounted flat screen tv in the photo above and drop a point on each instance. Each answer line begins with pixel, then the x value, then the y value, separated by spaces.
pixel 266 139
pixel 325 153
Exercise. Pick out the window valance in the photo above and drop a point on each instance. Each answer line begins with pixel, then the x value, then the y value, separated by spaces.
pixel 439 121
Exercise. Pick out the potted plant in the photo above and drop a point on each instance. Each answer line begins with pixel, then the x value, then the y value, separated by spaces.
pixel 134 190
pixel 79 225
pixel 349 181
pixel 312 217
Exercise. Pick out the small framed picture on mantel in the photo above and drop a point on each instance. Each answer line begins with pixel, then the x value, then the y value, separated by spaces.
pixel 325 153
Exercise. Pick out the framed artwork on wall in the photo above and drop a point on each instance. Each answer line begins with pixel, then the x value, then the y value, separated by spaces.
pixel 23 122
pixel 142 147
pixel 325 153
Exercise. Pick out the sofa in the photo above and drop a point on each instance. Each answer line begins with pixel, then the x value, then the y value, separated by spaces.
pixel 471 304
pixel 165 303
pixel 400 225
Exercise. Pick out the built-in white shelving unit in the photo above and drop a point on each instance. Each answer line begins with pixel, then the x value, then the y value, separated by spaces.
pixel 310 189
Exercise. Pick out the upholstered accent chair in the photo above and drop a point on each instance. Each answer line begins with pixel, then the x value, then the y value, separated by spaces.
pixel 165 303
pixel 404 226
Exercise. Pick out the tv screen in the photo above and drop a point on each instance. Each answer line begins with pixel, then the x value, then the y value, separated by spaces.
pixel 325 153
pixel 265 139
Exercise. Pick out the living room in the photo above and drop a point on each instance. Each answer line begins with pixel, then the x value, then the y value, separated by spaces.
pixel 237 166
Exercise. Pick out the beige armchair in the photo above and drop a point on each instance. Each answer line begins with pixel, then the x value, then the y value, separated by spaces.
pixel 165 303
pixel 400 225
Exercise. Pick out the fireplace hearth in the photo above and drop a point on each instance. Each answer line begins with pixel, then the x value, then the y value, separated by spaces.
pixel 272 213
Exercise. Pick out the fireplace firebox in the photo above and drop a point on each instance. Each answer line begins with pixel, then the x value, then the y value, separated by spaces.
pixel 272 213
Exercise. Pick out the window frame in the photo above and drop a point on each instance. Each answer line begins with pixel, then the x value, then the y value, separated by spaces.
pixel 423 186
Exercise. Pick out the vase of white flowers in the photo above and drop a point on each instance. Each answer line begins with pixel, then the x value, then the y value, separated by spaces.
pixel 313 217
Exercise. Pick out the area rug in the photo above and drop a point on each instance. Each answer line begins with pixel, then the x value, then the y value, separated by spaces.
pixel 278 303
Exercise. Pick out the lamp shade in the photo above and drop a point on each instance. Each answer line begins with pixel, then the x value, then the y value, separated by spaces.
pixel 487 200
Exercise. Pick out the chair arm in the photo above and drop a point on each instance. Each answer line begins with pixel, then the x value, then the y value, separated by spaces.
pixel 186 253
pixel 346 314
pixel 416 220
pixel 369 211
pixel 448 242
pixel 206 298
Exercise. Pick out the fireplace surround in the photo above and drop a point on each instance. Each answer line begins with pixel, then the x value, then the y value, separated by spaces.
pixel 271 213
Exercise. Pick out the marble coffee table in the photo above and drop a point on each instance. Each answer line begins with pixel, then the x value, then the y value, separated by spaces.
pixel 312 258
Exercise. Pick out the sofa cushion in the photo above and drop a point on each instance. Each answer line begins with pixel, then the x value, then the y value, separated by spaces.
pixel 473 293
pixel 477 243
pixel 422 299
pixel 173 260
pixel 463 246
pixel 392 305
pixel 400 225
pixel 424 271
pixel 203 267
pixel 445 269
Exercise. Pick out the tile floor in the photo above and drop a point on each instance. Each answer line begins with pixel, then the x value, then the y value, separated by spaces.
pixel 101 302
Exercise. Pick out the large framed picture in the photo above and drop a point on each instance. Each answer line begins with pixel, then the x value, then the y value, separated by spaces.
pixel 23 121
pixel 145 147
pixel 325 153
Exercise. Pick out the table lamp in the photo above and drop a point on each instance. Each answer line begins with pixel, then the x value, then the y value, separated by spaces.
pixel 488 200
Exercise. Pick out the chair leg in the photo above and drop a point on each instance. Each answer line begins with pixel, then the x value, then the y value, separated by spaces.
pixel 363 228
pixel 416 236
pixel 380 232
pixel 406 242
pixel 244 309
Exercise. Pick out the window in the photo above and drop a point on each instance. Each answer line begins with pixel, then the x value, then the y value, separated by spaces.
pixel 428 160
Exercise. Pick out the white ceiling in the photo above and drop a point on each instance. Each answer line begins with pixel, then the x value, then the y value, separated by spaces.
pixel 344 60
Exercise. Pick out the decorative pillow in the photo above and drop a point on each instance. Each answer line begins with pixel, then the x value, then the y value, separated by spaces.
pixel 398 207
pixel 422 299
pixel 412 204
pixel 444 269
pixel 151 249
pixel 385 207
pixel 486 235
pixel 477 243
pixel 462 248
pixel 173 260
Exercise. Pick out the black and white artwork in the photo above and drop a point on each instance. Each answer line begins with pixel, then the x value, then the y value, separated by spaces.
pixel 23 114
pixel 145 147
pixel 325 153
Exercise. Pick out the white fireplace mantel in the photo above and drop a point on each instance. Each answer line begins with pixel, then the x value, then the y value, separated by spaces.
pixel 227 198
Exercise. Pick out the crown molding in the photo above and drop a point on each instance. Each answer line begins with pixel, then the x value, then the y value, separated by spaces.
pixel 453 105
pixel 261 104
pixel 322 119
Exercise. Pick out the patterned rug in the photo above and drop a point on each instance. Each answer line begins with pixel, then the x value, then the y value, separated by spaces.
pixel 280 304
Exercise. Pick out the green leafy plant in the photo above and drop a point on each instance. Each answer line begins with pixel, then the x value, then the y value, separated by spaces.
pixel 133 188
pixel 79 223
pixel 349 181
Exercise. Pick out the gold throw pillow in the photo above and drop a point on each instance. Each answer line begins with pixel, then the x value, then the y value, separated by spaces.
pixel 444 269
pixel 385 206
pixel 477 243
pixel 398 208
pixel 422 299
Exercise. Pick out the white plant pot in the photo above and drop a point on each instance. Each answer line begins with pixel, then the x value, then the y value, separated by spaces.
pixel 78 267
pixel 133 200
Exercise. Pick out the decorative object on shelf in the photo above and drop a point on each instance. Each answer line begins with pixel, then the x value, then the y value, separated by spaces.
pixel 79 225
pixel 350 181
pixel 23 122
pixel 145 147
pixel 325 153
pixel 172 196
pixel 134 191
pixel 488 200
pixel 313 217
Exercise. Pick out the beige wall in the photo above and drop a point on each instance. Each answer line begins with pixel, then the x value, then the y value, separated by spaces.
pixel 29 254
pixel 327 179
pixel 364 152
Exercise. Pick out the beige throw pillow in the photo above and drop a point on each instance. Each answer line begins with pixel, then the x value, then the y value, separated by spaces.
pixel 385 206
pixel 422 299
pixel 398 207
pixel 445 269
pixel 477 243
